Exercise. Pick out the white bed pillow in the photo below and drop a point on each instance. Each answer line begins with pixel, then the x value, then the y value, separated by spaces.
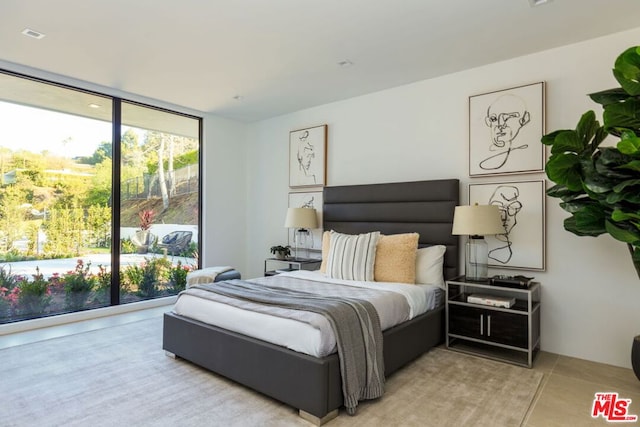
pixel 352 257
pixel 429 264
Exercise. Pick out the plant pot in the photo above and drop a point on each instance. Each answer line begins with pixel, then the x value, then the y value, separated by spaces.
pixel 281 256
pixel 635 356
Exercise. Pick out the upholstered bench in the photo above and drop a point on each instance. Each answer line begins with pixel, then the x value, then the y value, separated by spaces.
pixel 211 274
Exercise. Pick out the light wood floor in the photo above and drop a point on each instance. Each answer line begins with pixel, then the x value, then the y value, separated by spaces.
pixel 565 397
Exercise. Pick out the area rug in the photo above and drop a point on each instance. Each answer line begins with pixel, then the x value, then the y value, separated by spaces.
pixel 120 376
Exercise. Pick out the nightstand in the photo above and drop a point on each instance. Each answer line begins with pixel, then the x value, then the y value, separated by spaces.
pixel 506 334
pixel 273 266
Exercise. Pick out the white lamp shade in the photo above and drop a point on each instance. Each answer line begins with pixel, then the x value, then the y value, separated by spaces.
pixel 301 218
pixel 477 220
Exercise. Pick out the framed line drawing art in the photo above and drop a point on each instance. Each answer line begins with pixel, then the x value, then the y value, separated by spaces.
pixel 308 157
pixel 522 210
pixel 505 128
pixel 312 199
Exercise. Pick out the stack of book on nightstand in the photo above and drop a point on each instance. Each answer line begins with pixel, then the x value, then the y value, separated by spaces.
pixel 492 300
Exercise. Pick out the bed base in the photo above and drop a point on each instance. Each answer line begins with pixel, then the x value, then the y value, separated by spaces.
pixel 310 384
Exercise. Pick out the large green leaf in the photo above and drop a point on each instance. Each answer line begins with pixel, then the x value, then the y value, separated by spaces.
pixel 622 116
pixel 550 138
pixel 627 71
pixel 624 184
pixel 629 144
pixel 631 86
pixel 590 219
pixel 619 215
pixel 609 96
pixel 562 192
pixel 622 234
pixel 600 136
pixel 633 165
pixel 629 195
pixel 598 183
pixel 568 141
pixel 576 205
pixel 565 169
pixel 608 161
pixel 586 128
pixel 585 224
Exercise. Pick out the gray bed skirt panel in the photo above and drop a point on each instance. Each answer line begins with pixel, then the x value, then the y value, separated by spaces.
pixel 304 382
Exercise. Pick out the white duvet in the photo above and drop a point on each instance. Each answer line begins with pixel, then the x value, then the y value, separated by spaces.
pixel 293 334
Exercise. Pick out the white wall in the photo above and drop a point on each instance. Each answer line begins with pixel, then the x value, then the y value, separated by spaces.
pixel 224 193
pixel 419 131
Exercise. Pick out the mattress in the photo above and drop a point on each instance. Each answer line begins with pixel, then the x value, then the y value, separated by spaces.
pixel 293 334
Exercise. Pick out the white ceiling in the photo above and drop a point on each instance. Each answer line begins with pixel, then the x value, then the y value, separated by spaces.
pixel 282 55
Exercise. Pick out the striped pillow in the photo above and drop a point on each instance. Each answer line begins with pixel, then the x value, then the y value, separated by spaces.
pixel 352 257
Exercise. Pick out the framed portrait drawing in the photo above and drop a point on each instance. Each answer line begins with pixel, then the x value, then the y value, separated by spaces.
pixel 308 157
pixel 522 210
pixel 505 128
pixel 312 199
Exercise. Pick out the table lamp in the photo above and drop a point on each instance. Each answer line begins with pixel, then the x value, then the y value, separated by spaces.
pixel 477 221
pixel 301 220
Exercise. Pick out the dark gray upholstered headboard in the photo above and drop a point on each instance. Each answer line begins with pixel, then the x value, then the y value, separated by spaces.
pixel 424 207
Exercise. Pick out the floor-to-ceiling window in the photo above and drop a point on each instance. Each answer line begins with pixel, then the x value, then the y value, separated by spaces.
pixel 99 199
pixel 159 201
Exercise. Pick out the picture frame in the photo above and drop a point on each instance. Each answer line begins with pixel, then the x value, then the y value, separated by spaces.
pixel 505 128
pixel 522 208
pixel 308 157
pixel 312 199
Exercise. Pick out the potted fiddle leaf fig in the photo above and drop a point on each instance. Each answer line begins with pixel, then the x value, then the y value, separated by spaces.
pixel 600 185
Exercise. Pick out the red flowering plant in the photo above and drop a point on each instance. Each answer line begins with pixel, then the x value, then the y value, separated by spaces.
pixel 8 282
pixel 146 219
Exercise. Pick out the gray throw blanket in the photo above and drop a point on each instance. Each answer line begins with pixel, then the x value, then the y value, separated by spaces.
pixel 355 323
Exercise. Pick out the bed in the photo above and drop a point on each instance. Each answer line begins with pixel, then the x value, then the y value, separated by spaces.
pixel 313 384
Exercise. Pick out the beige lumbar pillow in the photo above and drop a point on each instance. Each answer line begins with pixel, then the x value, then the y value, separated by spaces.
pixel 396 258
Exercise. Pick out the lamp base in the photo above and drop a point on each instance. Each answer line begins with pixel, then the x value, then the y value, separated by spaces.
pixel 477 259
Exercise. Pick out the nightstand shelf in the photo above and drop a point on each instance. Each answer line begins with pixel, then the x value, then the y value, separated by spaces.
pixel 273 266
pixel 506 334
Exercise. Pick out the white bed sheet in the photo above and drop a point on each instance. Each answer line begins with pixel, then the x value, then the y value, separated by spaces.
pixel 289 333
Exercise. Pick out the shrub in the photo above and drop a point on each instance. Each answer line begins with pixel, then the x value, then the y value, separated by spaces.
pixel 33 297
pixel 8 280
pixel 103 285
pixel 77 285
pixel 130 277
pixel 178 278
pixel 127 246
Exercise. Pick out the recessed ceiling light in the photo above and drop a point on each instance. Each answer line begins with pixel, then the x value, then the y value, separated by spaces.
pixel 535 3
pixel 94 106
pixel 345 63
pixel 33 33
pixel 238 97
